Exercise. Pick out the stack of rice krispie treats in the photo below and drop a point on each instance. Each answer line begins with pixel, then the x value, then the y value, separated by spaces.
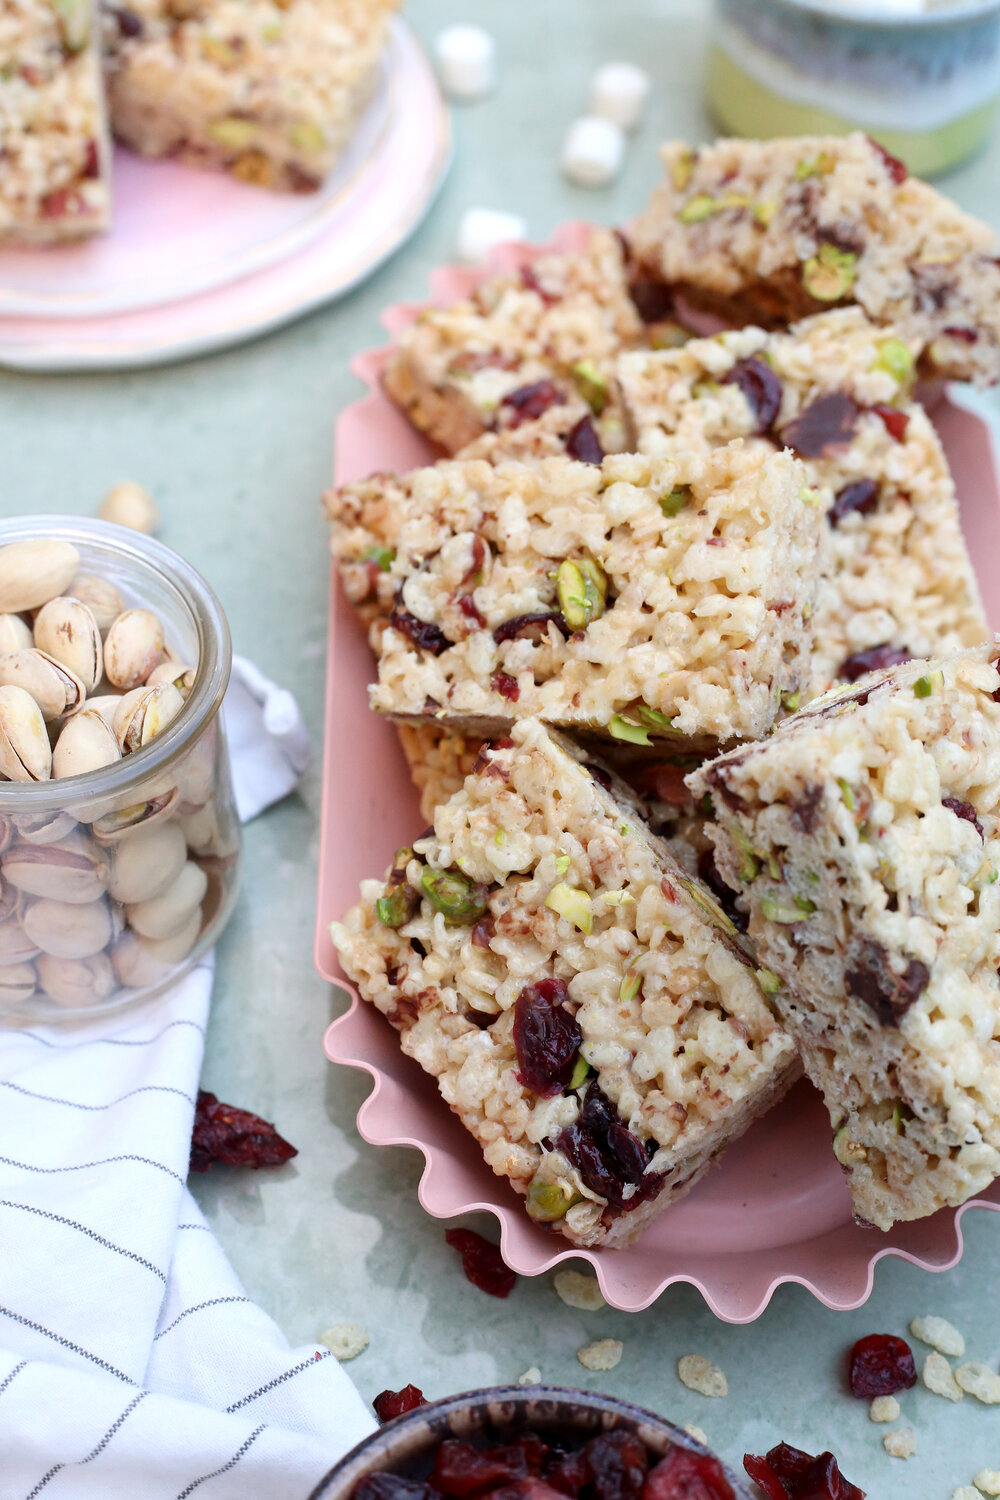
pixel 269 90
pixel 614 625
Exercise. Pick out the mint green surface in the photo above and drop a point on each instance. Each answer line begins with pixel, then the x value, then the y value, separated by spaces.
pixel 237 450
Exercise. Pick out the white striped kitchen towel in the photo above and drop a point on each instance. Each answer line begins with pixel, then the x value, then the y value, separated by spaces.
pixel 132 1363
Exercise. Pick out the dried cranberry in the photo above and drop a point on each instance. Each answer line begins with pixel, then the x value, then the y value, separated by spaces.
pixel 897 169
pixel 964 335
pixel 708 872
pixel 872 980
pixel 603 779
pixel 471 611
pixel 665 784
pixel 531 283
pixel 392 1487
pixel 583 444
pixel 235 1137
pixel 91 161
pixel 478 553
pixel 686 1475
pixel 569 1473
pixel 128 23
pixel 875 659
pixel 761 1473
pixel 654 300
pixel 826 423
pixel 424 635
pixel 506 685
pixel 860 497
pixel 964 810
pixel 62 203
pixel 547 1037
pixel 618 1463
pixel 459 1468
pixel 535 625
pixel 761 387
pixel 805 807
pixel 787 1473
pixel 530 401
pixel 894 420
pixel 881 1365
pixel 605 1153
pixel 389 1404
pixel 528 1488
pixel 482 933
pixel 482 1262
pixel 471 361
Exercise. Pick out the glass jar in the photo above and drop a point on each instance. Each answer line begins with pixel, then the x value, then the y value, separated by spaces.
pixel 113 883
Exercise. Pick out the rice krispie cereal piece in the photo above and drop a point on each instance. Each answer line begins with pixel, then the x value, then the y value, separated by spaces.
pixel 835 388
pixel 580 1001
pixel 769 231
pixel 54 153
pixel 521 344
pixel 646 600
pixel 439 762
pixel 269 90
pixel 864 839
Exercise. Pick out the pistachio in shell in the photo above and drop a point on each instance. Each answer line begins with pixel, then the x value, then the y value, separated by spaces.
pixel 147 862
pixel 67 930
pixel 55 689
pixel 15 635
pixel 86 743
pixel 123 822
pixel 144 713
pixel 15 944
pixel 17 983
pixel 67 630
pixel 44 828
pixel 34 571
pixel 176 673
pixel 161 916
pixel 105 704
pixel 129 504
pixel 132 648
pixel 75 982
pixel 76 871
pixel 101 598
pixel 25 754
pixel 140 961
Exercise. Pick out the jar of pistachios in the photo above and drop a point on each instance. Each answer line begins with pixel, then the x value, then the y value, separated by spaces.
pixel 119 841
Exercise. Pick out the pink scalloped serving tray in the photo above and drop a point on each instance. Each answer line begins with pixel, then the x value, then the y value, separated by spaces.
pixel 776 1209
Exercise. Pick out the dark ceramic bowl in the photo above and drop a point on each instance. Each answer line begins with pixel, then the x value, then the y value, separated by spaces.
pixel 406 1445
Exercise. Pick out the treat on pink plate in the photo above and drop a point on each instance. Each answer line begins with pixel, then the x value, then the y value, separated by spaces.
pixel 836 390
pixel 521 344
pixel 581 1001
pixel 770 231
pixel 862 838
pixel 269 90
pixel 54 153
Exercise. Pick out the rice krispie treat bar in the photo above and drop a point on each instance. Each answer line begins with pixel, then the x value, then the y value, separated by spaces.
pixel 269 90
pixel 522 344
pixel 864 838
pixel 54 154
pixel 643 600
pixel 579 1000
pixel 769 231
pixel 835 389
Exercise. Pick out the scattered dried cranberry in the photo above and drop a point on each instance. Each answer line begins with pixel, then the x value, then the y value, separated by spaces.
pixel 618 1464
pixel 708 872
pixel 897 169
pixel 894 420
pixel 860 497
pixel 482 1262
pixel 964 335
pixel 91 161
pixel 389 1404
pixel 506 685
pixel 583 444
pixel 826 423
pixel 664 783
pixel 607 1155
pixel 235 1137
pixel 424 635
pixel 535 625
pixel 531 283
pixel 686 1475
pixel 761 387
pixel 392 1486
pixel 881 1365
pixel 530 401
pixel 482 933
pixel 786 1473
pixel 471 610
pixel 872 980
pixel 459 1468
pixel 654 300
pixel 964 810
pixel 875 659
pixel 547 1037
pixel 127 21
pixel 569 1473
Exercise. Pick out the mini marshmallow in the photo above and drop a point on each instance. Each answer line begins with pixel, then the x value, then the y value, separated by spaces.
pixel 593 151
pixel 618 92
pixel 466 60
pixel 481 229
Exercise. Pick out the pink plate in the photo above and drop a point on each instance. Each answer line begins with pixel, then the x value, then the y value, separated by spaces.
pixel 776 1209
pixel 197 261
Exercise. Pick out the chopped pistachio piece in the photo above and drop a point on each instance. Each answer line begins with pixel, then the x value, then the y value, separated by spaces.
pixel 307 136
pixel 397 906
pixel 575 905
pixel 453 894
pixel 829 274
pixel 563 862
pixel 591 384
pixel 580 1074
pixel 382 557
pixel 653 717
pixel 764 211
pixel 582 587
pixel 791 701
pixel 847 1151
pixel 817 166
pixel 785 912
pixel 846 793
pixel 896 358
pixel 233 132
pixel 701 206
pixel 810 496
pixel 704 898
pixel 674 501
pixel 768 981
pixel 924 686
pixel 748 862
pixel 631 985
pixel 682 170
pixel 548 1201
pixel 668 335
pixel 621 728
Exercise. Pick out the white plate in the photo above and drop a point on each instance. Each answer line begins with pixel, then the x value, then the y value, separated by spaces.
pixel 197 261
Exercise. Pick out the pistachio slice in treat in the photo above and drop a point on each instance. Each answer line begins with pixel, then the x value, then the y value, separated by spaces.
pixel 75 982
pixel 15 635
pixel 125 821
pixel 86 743
pixel 24 742
pixel 44 828
pixel 101 598
pixel 33 572
pixel 68 631
pixel 147 862
pixel 66 930
pixel 163 915
pixel 55 689
pixel 132 648
pixel 76 871
pixel 144 713
pixel 17 983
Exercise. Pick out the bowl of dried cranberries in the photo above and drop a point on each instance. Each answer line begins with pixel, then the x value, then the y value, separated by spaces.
pixel 527 1443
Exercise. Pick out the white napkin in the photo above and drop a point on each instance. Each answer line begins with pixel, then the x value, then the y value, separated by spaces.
pixel 132 1363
